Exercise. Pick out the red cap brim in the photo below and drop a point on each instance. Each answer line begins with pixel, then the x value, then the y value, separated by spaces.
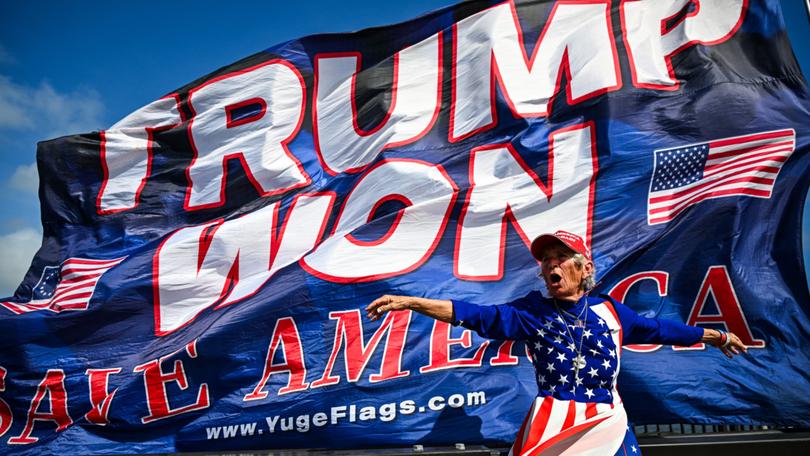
pixel 540 242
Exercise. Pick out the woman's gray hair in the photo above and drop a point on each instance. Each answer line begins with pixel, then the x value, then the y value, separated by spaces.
pixel 590 281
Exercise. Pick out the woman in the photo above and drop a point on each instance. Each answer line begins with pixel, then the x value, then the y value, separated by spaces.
pixel 574 341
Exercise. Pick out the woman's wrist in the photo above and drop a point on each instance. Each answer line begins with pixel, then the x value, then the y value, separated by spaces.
pixel 712 336
pixel 418 304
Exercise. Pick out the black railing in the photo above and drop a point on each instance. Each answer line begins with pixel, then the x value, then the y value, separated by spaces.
pixel 725 439
pixel 686 429
pixel 654 440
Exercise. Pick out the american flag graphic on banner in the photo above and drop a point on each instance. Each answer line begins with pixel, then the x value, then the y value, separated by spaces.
pixel 743 165
pixel 66 287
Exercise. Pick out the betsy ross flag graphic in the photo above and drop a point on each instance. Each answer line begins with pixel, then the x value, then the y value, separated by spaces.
pixel 66 287
pixel 743 165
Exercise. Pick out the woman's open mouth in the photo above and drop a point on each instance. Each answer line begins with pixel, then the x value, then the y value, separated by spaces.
pixel 555 278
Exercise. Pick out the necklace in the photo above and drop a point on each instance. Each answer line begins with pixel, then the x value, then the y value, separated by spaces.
pixel 578 321
pixel 579 360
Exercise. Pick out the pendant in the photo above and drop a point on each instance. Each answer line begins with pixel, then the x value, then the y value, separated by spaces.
pixel 579 324
pixel 579 362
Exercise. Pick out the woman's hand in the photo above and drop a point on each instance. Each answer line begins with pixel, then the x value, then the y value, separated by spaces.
pixel 727 342
pixel 386 303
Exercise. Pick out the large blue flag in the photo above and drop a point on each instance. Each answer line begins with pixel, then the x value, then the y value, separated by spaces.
pixel 205 260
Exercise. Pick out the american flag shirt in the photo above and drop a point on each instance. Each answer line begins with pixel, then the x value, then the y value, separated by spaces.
pixel 576 356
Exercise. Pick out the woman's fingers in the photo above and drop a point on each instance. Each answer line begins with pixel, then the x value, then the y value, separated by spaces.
pixel 737 346
pixel 381 305
pixel 381 301
pixel 373 309
pixel 734 347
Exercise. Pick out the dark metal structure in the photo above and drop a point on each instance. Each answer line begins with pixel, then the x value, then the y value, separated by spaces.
pixel 654 440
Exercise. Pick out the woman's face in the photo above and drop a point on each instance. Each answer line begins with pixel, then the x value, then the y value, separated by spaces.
pixel 562 275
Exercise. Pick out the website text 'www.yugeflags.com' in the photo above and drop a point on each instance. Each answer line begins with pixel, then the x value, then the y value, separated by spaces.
pixel 350 413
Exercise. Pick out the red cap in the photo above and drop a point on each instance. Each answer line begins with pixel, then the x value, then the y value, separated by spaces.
pixel 571 240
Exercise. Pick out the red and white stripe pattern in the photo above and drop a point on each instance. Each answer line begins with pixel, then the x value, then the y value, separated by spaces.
pixel 568 427
pixel 555 426
pixel 739 166
pixel 66 287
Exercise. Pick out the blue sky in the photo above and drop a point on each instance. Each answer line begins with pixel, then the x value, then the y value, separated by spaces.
pixel 76 67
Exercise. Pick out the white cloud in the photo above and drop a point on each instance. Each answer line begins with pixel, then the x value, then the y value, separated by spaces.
pixel 25 178
pixel 19 248
pixel 47 112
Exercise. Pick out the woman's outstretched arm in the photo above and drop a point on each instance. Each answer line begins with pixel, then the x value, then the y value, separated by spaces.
pixel 439 309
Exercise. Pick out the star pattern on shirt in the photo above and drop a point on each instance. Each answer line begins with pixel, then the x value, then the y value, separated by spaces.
pixel 580 361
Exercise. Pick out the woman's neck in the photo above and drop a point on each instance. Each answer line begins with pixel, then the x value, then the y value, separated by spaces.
pixel 571 298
